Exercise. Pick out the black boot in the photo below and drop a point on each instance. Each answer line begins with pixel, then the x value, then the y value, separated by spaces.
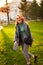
pixel 35 59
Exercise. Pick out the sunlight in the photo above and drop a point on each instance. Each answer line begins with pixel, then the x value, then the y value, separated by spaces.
pixel 30 0
pixel 2 2
pixel 9 1
pixel 1 27
pixel 36 0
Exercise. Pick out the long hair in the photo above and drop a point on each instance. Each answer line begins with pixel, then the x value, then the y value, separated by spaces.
pixel 19 16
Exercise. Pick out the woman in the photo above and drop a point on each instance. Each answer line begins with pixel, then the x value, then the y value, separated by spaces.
pixel 23 38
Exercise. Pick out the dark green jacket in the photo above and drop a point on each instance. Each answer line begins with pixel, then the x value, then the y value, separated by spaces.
pixel 18 36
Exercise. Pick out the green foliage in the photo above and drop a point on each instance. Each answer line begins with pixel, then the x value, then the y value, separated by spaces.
pixel 34 10
pixel 23 7
pixel 30 10
pixel 41 10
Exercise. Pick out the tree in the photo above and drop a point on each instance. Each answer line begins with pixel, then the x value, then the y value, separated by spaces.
pixel 34 10
pixel 23 7
pixel 6 9
pixel 41 10
pixel 7 13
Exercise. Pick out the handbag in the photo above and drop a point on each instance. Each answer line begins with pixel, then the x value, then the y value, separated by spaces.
pixel 27 40
pixel 15 47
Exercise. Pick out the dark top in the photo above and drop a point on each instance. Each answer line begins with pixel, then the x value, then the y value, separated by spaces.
pixel 20 32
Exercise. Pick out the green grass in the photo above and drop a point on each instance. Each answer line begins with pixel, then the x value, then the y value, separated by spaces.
pixel 8 56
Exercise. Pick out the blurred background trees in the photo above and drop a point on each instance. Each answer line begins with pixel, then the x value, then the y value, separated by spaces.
pixel 6 9
pixel 23 7
pixel 33 10
pixel 41 10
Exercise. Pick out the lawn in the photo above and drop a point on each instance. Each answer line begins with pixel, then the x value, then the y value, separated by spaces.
pixel 8 56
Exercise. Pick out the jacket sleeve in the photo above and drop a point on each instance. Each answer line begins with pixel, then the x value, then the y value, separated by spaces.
pixel 29 34
pixel 28 29
pixel 16 36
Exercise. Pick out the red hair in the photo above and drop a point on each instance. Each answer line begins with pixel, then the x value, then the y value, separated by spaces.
pixel 20 16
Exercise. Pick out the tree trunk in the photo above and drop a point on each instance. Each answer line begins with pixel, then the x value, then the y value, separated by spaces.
pixel 7 13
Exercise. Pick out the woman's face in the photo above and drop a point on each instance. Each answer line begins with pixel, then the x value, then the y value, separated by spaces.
pixel 19 20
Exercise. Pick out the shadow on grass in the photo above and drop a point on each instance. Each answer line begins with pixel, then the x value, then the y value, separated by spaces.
pixel 8 50
pixel 11 57
pixel 7 40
